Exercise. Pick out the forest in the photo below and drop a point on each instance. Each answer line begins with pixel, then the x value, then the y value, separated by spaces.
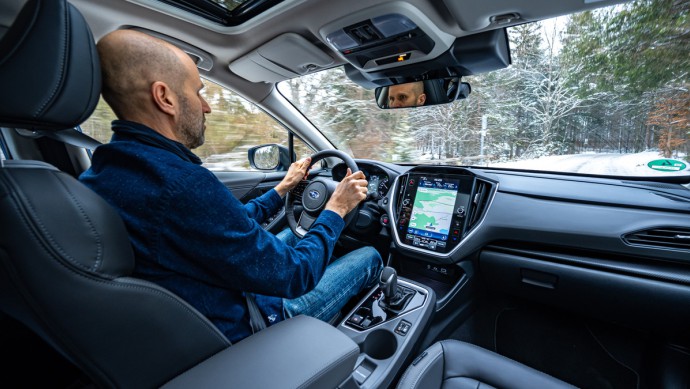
pixel 613 80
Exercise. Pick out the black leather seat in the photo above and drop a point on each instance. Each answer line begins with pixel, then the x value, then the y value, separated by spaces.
pixel 66 261
pixel 451 364
pixel 65 257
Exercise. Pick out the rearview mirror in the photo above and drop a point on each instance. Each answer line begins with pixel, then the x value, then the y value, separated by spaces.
pixel 422 93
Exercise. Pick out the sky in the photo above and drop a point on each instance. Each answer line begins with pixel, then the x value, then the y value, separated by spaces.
pixel 547 29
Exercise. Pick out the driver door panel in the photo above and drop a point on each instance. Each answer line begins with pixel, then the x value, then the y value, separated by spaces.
pixel 246 186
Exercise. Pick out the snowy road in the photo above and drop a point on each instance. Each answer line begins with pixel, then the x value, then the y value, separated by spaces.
pixel 603 164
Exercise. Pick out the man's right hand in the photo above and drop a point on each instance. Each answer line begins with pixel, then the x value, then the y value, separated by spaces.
pixel 349 192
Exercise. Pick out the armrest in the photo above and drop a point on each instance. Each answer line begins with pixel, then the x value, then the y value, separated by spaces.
pixel 301 352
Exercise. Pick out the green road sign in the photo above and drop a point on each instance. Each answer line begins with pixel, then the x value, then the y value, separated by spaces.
pixel 666 165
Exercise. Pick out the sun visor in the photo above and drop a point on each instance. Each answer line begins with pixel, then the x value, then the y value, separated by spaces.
pixel 287 56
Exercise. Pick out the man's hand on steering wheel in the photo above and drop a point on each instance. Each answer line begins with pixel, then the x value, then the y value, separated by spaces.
pixel 348 194
pixel 323 193
pixel 296 173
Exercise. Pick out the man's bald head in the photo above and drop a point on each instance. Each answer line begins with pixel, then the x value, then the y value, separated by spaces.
pixel 131 62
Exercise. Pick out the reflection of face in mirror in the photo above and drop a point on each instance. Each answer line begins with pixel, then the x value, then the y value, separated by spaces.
pixel 406 95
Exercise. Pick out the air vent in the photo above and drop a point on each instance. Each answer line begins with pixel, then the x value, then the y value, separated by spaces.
pixel 665 237
pixel 480 201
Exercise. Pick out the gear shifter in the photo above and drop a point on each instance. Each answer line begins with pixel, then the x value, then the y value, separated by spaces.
pixel 395 297
pixel 388 283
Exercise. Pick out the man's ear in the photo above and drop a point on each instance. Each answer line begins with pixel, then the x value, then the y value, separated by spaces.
pixel 422 99
pixel 164 98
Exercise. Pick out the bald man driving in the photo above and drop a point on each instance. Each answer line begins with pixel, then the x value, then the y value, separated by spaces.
pixel 188 232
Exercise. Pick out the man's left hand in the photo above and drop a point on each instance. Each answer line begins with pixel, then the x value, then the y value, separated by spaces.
pixel 296 173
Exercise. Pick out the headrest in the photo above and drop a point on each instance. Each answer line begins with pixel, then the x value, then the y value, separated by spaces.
pixel 435 94
pixel 50 76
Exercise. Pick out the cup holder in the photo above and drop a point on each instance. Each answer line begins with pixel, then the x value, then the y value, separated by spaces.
pixel 380 344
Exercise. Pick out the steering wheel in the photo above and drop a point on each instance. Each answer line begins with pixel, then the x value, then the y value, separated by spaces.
pixel 314 194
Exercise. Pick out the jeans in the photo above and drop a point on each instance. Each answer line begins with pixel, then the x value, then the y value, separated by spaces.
pixel 343 279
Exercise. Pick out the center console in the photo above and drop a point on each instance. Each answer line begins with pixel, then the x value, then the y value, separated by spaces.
pixel 433 211
pixel 386 325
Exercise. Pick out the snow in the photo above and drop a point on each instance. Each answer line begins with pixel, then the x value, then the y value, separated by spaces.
pixel 603 164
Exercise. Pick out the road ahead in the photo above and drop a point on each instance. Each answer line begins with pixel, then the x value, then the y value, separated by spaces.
pixel 603 164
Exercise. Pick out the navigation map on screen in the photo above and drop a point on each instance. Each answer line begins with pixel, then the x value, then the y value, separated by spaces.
pixel 432 211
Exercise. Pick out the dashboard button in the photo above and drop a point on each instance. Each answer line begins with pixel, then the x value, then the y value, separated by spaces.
pixel 455 235
pixel 385 220
pixel 356 319
pixel 403 327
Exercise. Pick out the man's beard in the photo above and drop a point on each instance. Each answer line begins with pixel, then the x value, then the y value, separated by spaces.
pixel 191 130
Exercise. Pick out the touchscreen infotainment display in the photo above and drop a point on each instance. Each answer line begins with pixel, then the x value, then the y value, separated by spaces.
pixel 433 208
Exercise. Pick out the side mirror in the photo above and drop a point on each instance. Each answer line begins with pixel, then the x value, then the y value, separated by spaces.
pixel 269 157
pixel 422 93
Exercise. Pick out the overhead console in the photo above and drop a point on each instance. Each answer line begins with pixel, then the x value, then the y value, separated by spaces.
pixel 395 42
pixel 381 40
pixel 386 36
pixel 468 55
pixel 435 208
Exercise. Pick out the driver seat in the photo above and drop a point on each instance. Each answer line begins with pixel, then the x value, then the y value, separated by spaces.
pixel 65 256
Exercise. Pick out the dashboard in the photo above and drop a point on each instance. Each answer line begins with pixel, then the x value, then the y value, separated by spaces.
pixel 430 209
pixel 615 248
pixel 440 214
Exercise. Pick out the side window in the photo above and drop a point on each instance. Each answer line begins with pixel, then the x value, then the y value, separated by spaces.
pixel 97 125
pixel 233 126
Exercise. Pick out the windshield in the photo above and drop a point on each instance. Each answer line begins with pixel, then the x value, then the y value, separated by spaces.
pixel 601 92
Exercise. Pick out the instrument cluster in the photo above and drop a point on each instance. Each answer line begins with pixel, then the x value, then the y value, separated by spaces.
pixel 379 181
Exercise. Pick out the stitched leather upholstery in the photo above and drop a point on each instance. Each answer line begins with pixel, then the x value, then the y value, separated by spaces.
pixel 65 257
pixel 49 69
pixel 451 364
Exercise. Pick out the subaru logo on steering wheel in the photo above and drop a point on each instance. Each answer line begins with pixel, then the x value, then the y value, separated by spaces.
pixel 314 194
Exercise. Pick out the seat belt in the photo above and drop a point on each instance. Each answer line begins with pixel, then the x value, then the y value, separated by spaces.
pixel 73 137
pixel 256 320
pixel 69 136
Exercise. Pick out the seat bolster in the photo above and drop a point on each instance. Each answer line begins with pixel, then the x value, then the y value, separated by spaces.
pixel 451 363
pixel 467 360
pixel 426 371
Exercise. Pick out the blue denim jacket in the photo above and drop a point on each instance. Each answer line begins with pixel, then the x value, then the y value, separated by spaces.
pixel 193 237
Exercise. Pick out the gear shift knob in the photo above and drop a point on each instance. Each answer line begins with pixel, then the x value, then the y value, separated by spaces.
pixel 388 282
